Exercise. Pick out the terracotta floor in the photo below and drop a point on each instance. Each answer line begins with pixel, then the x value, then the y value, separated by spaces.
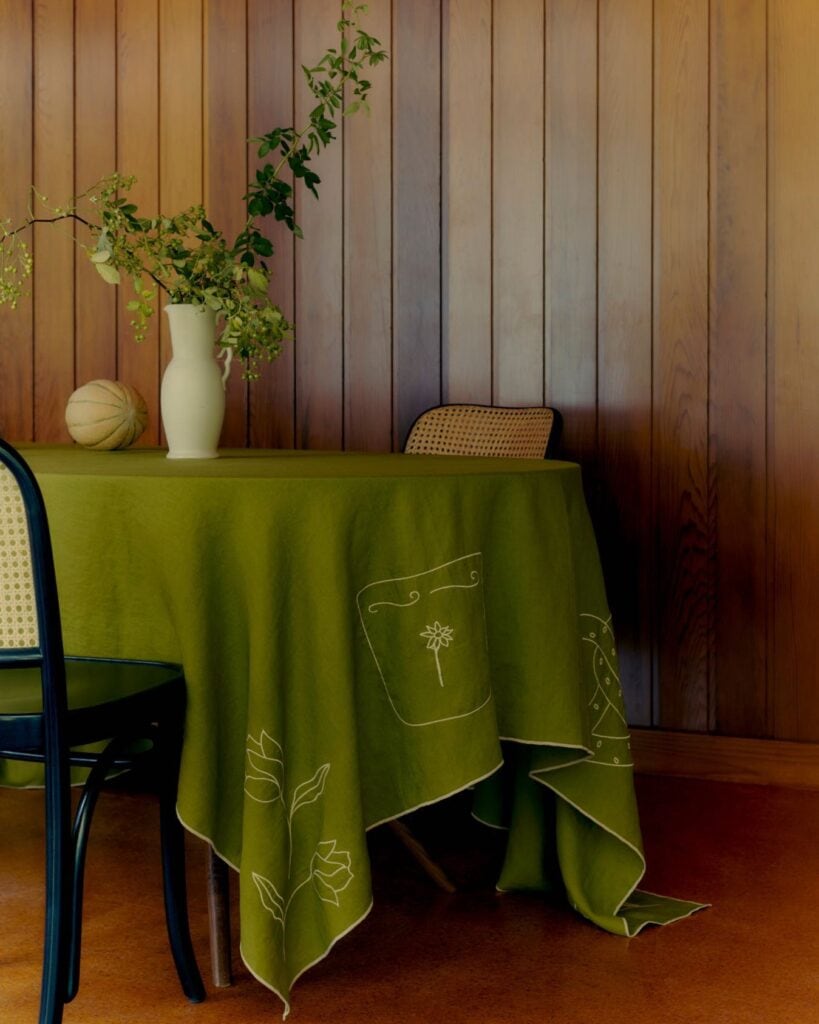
pixel 424 957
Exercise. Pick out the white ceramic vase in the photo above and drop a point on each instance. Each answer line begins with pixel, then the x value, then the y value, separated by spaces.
pixel 192 396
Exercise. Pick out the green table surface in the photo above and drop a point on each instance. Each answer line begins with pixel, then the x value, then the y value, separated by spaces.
pixel 363 635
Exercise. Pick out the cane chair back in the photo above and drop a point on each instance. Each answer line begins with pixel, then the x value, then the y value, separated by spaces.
pixel 484 430
pixel 50 705
pixel 18 606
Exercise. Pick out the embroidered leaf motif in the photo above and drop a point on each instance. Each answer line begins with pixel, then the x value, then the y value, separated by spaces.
pixel 264 777
pixel 309 791
pixel 270 897
pixel 330 871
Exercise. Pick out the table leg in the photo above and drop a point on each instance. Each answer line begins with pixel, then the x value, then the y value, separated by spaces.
pixel 433 870
pixel 219 919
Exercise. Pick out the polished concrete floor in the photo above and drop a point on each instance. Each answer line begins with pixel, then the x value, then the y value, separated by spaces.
pixel 422 956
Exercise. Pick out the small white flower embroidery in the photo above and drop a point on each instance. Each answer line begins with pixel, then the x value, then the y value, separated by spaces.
pixel 437 636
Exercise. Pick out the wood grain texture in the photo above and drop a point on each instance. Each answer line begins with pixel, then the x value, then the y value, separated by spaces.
pixel 270 104
pixel 680 427
pixel 16 326
pixel 367 259
pixel 180 119
pixel 138 154
pixel 517 202
pixel 225 149
pixel 319 287
pixel 726 758
pixel 793 149
pixel 737 363
pixel 54 178
pixel 446 258
pixel 571 222
pixel 623 470
pixel 416 65
pixel 467 202
pixel 95 155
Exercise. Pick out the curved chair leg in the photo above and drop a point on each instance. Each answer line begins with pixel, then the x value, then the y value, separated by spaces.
pixel 58 891
pixel 173 861
pixel 79 836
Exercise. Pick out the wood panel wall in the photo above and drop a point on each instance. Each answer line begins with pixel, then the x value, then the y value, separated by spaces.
pixel 606 205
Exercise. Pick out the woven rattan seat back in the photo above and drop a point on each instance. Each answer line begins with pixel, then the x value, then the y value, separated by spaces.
pixel 18 608
pixel 482 430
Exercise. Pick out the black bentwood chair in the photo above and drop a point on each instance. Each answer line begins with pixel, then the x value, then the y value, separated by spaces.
pixel 51 704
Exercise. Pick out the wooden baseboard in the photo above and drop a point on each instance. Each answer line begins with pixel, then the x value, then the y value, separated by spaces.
pixel 726 758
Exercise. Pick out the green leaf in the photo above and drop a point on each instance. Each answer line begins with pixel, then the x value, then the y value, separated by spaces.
pixel 257 280
pixel 263 246
pixel 102 256
pixel 108 273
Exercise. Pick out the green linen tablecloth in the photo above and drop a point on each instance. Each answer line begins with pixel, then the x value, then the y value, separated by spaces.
pixel 359 634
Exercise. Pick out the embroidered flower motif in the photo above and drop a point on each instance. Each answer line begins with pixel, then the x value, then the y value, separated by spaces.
pixel 330 871
pixel 437 636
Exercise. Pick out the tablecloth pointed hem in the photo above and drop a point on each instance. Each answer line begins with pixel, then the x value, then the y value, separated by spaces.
pixel 303 970
pixel 205 839
pixel 437 799
pixel 691 905
pixel 267 984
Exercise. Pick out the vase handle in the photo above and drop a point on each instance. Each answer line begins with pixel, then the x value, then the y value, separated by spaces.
pixel 228 354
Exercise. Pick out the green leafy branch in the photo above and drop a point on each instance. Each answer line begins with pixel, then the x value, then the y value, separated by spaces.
pixel 184 255
pixel 339 69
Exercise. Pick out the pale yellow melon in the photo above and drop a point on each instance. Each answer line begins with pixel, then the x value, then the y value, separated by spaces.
pixel 106 414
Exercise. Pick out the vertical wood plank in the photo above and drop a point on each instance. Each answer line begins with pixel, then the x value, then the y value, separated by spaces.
pixel 517 202
pixel 680 415
pixel 180 119
pixel 225 171
pixel 270 105
pixel 54 177
pixel 368 260
pixel 95 155
pixel 416 65
pixel 737 427
pixel 16 326
pixel 467 202
pixel 319 273
pixel 571 221
pixel 794 327
pixel 624 337
pixel 138 154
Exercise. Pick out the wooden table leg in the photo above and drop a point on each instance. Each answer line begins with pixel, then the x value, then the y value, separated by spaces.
pixel 433 870
pixel 219 919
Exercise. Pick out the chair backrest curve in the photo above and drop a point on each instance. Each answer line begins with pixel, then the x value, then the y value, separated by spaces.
pixel 30 629
pixel 483 430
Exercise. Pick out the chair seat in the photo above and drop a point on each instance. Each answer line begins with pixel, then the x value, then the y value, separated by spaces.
pixel 103 694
